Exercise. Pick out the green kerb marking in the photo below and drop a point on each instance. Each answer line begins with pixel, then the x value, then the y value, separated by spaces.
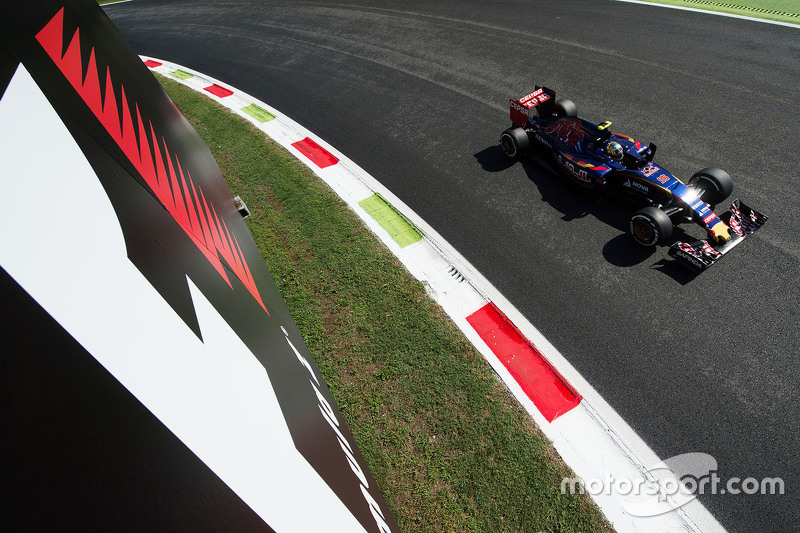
pixel 182 74
pixel 400 229
pixel 258 113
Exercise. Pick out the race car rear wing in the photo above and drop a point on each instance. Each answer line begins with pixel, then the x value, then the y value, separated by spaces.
pixel 540 101
pixel 700 255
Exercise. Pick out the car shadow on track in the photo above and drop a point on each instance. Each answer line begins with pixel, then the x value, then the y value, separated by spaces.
pixel 574 203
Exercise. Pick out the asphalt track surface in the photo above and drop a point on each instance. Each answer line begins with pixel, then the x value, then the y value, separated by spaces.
pixel 416 93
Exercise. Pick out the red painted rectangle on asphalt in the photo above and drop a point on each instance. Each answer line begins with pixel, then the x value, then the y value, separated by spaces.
pixel 152 64
pixel 216 90
pixel 545 386
pixel 317 154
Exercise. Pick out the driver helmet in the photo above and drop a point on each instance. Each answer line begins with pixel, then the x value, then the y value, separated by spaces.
pixel 614 150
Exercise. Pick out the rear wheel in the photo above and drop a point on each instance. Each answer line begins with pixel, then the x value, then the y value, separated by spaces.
pixel 650 226
pixel 514 142
pixel 713 184
pixel 565 108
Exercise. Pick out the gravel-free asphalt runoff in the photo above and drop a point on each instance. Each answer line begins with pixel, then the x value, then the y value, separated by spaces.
pixel 416 93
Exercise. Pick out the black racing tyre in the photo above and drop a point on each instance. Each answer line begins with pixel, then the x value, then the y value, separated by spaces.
pixel 715 183
pixel 650 226
pixel 565 108
pixel 514 142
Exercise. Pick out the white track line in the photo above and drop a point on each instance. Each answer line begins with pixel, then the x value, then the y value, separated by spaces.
pixel 717 13
pixel 115 3
pixel 591 438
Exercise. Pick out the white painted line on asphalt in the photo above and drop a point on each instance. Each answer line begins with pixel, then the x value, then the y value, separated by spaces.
pixel 717 13
pixel 114 3
pixel 591 438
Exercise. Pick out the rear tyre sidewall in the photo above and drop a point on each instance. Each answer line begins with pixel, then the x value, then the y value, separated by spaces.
pixel 565 108
pixel 514 142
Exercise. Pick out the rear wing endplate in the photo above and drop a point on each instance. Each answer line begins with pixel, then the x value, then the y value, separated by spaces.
pixel 540 102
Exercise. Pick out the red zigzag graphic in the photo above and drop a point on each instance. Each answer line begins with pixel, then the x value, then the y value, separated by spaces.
pixel 176 191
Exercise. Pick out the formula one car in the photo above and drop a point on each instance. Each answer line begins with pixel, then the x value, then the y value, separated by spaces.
pixel 594 158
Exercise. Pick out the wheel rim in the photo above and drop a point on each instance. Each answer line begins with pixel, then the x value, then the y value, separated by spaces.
pixel 508 145
pixel 643 231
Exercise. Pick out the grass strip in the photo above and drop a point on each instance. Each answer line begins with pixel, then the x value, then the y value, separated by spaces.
pixel 778 10
pixel 449 446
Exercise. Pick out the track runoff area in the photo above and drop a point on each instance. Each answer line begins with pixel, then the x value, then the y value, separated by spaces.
pixel 633 487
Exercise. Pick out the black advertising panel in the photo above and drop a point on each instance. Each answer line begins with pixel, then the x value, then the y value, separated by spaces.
pixel 152 376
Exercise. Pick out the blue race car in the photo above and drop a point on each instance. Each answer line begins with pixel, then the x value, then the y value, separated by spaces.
pixel 596 159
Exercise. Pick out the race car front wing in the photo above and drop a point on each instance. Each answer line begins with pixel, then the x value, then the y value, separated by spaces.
pixel 699 255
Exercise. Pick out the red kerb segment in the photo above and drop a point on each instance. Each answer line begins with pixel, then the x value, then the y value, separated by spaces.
pixel 152 64
pixel 317 154
pixel 217 90
pixel 550 391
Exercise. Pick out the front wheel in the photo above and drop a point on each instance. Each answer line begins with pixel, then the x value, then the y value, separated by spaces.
pixel 650 226
pixel 514 142
pixel 713 184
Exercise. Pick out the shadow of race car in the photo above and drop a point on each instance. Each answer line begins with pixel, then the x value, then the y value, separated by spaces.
pixel 596 159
